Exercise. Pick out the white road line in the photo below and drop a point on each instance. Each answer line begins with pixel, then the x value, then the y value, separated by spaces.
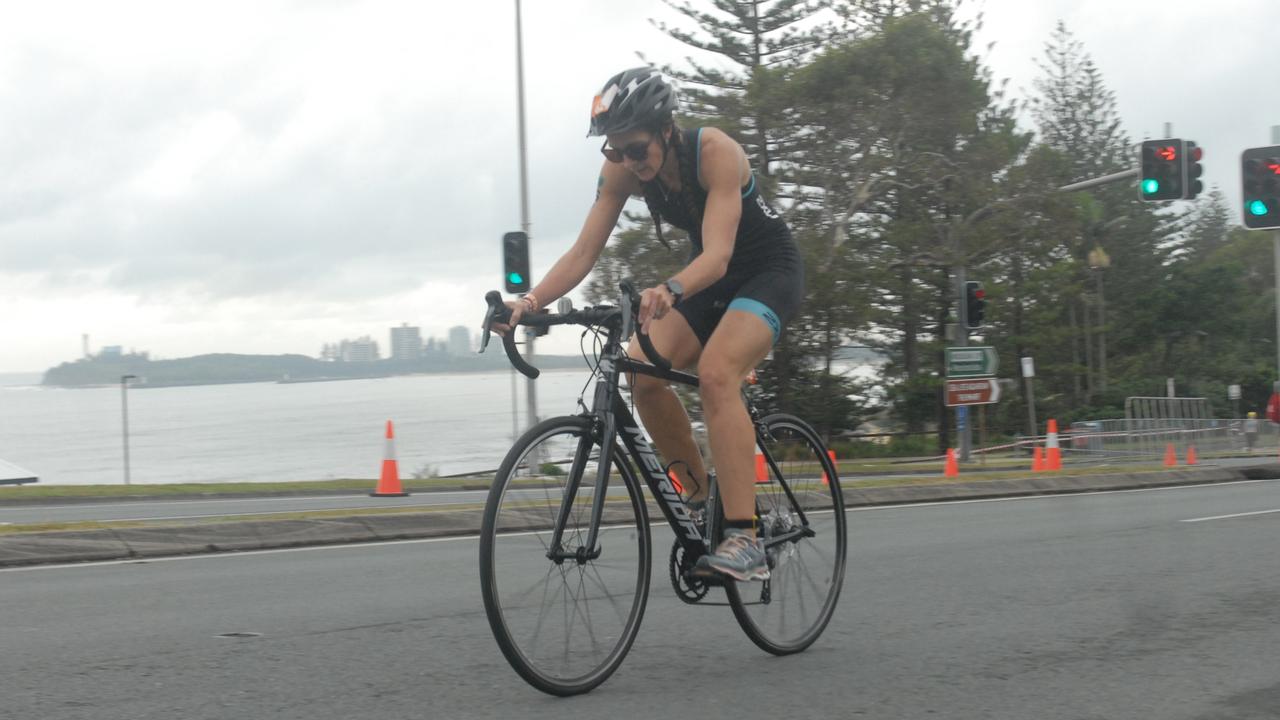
pixel 1233 515
pixel 294 498
pixel 1055 496
pixel 233 554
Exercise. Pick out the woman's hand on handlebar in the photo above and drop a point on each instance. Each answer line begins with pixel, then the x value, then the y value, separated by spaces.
pixel 655 303
pixel 517 307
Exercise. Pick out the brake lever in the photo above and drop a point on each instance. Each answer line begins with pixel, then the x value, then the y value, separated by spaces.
pixel 497 310
pixel 630 305
pixel 630 302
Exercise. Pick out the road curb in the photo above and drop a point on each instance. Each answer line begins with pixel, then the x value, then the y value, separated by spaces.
pixel 137 543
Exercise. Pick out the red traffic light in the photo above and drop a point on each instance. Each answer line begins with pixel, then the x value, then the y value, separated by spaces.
pixel 1196 154
pixel 1167 152
pixel 980 293
pixel 1274 166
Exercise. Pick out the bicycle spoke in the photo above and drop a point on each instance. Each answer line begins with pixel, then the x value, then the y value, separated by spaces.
pixel 807 570
pixel 566 625
pixel 537 628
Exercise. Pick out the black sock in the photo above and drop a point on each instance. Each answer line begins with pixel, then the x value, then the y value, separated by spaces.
pixel 740 524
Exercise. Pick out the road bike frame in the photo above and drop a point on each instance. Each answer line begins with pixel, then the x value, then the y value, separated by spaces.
pixel 613 420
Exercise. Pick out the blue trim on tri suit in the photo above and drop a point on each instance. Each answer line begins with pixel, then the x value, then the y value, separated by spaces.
pixel 755 307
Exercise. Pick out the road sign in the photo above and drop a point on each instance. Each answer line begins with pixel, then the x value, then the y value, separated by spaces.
pixel 971 361
pixel 976 391
pixel 1028 367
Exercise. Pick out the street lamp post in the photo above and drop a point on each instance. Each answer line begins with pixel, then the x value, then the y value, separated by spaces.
pixel 124 420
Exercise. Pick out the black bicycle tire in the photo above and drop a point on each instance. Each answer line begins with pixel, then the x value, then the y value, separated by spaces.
pixel 492 604
pixel 736 601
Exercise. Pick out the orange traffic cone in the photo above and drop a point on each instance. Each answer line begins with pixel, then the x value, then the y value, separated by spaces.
pixel 831 454
pixel 389 483
pixel 1037 460
pixel 762 470
pixel 1052 454
pixel 1170 457
pixel 952 469
pixel 1191 455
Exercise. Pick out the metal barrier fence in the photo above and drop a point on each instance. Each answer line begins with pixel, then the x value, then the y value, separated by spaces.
pixel 1146 438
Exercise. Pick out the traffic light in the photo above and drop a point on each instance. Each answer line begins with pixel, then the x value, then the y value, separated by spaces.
pixel 515 262
pixel 1192 153
pixel 1163 170
pixel 1260 176
pixel 975 304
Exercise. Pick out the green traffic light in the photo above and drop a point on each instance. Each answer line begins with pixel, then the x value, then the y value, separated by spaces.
pixel 515 278
pixel 1257 207
pixel 1150 186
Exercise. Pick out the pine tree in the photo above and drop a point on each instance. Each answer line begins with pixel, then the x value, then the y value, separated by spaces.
pixel 1077 117
pixel 751 35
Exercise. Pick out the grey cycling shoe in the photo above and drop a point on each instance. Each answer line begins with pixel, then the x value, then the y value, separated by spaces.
pixel 740 556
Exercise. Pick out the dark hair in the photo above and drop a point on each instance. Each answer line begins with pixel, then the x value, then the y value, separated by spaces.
pixel 691 192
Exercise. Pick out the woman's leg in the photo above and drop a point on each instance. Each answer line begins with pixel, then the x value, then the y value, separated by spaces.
pixel 739 343
pixel 661 411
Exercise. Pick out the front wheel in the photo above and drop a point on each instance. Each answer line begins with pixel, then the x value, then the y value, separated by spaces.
pixel 802 522
pixel 564 625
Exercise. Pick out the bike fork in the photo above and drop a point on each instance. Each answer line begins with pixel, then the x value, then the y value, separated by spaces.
pixel 589 549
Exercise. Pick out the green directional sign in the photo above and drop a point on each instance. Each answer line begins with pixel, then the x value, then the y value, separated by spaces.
pixel 977 361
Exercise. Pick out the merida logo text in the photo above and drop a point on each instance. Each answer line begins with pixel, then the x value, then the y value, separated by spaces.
pixel 663 483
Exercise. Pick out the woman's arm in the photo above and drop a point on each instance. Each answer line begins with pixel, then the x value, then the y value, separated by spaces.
pixel 615 186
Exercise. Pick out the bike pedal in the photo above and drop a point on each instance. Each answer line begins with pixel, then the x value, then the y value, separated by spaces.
pixel 707 577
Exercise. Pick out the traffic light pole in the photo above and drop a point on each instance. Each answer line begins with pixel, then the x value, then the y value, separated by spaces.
pixel 1094 182
pixel 1275 251
pixel 531 393
pixel 964 429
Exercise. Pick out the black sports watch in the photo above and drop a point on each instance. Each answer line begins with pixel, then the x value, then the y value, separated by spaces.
pixel 674 287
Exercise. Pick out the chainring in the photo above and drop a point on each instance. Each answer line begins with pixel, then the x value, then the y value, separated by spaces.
pixel 688 588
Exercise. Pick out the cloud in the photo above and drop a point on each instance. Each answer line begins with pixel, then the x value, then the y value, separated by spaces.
pixel 173 173
pixel 268 176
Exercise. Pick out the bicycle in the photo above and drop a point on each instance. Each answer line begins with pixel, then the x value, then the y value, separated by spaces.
pixel 565 545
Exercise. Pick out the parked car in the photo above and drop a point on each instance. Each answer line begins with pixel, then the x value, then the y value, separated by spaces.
pixel 1086 435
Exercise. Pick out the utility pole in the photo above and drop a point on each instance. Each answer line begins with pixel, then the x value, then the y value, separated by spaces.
pixel 124 420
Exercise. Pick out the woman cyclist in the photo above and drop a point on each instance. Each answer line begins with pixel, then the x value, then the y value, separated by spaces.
pixel 743 282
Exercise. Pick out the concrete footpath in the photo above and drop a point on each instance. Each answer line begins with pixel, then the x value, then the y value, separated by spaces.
pixel 192 537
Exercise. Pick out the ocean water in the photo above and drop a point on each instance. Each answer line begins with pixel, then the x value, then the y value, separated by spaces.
pixel 260 432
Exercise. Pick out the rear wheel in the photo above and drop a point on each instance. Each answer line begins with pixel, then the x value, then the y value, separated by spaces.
pixel 564 626
pixel 802 522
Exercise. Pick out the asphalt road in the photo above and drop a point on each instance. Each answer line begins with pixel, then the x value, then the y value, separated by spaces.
pixel 1153 604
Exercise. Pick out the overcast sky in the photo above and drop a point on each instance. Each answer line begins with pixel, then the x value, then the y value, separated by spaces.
pixel 265 177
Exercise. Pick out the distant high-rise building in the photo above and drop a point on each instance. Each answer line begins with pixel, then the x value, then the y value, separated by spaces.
pixel 406 343
pixel 363 349
pixel 459 341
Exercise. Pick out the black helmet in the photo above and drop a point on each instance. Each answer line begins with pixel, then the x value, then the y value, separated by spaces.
pixel 635 98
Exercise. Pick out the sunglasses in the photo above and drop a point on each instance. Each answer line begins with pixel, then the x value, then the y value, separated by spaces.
pixel 637 151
